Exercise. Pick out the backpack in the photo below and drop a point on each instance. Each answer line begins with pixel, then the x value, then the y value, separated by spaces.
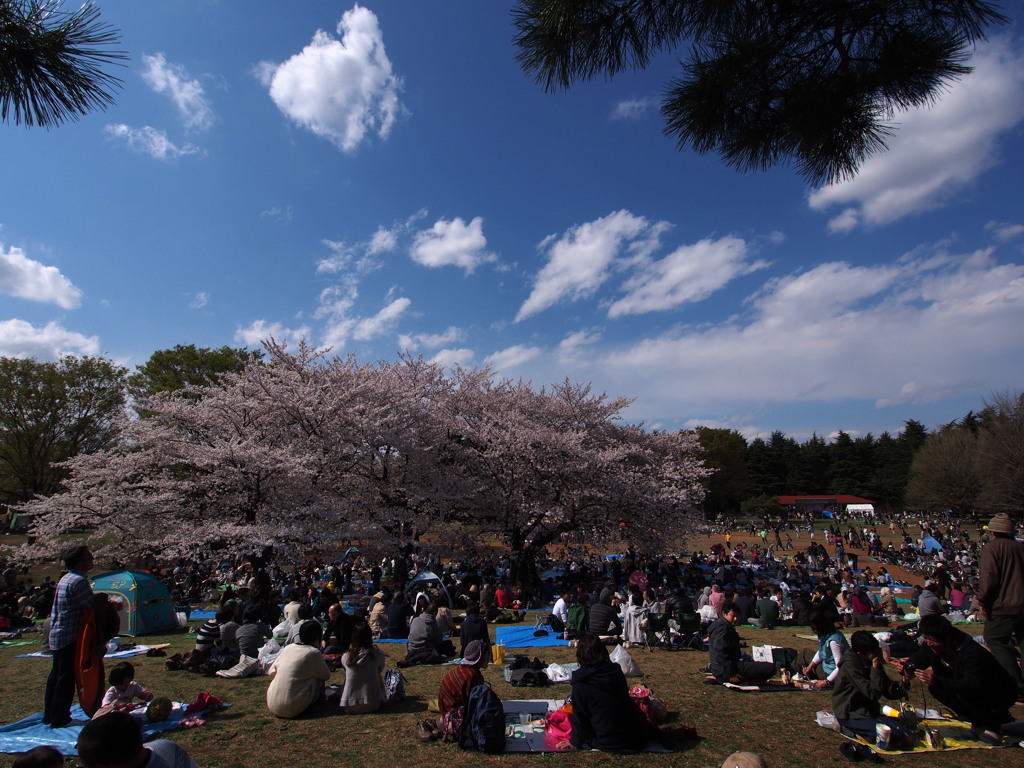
pixel 394 686
pixel 483 721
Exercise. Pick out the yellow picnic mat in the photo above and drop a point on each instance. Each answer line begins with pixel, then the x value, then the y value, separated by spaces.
pixel 955 733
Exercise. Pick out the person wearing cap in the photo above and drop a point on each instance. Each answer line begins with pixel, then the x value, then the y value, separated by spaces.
pixel 1001 595
pixel 460 679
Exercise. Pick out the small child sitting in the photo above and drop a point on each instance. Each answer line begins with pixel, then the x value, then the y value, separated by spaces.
pixel 123 690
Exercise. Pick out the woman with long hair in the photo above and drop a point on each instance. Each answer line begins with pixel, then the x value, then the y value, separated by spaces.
pixel 364 666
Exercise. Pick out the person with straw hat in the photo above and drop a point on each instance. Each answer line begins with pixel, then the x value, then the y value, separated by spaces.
pixel 1001 595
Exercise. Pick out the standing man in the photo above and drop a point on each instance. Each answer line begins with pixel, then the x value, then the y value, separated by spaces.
pixel 72 595
pixel 1001 594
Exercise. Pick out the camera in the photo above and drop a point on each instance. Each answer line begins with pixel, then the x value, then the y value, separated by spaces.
pixel 909 668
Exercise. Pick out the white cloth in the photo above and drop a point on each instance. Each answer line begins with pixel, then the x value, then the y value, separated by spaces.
pixel 164 753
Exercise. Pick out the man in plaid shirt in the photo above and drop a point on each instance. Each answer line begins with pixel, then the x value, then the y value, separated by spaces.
pixel 73 594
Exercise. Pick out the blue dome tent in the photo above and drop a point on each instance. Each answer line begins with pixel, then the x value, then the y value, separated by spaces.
pixel 147 601
pixel 930 544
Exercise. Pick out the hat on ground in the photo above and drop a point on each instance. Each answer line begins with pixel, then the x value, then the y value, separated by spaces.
pixel 1001 523
pixel 744 760
pixel 473 653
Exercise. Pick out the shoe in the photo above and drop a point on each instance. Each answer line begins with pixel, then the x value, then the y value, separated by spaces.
pixel 849 750
pixel 867 753
pixel 61 723
pixel 990 738
pixel 426 730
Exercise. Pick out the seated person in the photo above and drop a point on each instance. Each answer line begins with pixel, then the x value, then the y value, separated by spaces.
pixel 604 617
pixel 378 618
pixel 399 613
pixel 766 611
pixel 253 633
pixel 304 613
pixel 123 690
pixel 604 715
pixel 859 688
pixel 364 664
pixel 337 630
pixel 823 665
pixel 115 741
pixel 724 649
pixel 299 674
pixel 460 680
pixel 964 676
pixel 474 628
pixel 444 617
pixel 426 645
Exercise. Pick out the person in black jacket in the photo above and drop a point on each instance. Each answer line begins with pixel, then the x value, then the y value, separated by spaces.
pixel 474 628
pixel 604 716
pixel 724 648
pixel 964 676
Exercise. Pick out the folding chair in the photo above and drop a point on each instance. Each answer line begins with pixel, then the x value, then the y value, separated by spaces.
pixel 690 630
pixel 657 632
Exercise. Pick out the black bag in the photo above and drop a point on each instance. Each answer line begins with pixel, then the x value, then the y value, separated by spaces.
pixel 528 678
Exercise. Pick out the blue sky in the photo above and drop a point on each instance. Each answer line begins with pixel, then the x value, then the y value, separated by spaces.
pixel 384 177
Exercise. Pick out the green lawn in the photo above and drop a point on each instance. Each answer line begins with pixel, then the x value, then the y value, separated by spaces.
pixel 780 726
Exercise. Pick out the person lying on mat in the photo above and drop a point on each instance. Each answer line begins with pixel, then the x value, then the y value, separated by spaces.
pixel 724 649
pixel 859 688
pixel 604 716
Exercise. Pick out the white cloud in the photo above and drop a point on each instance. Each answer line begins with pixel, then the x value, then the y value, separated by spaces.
pixel 381 323
pixel 937 151
pixel 278 212
pixel 511 357
pixel 21 339
pixel 451 358
pixel 187 94
pixel 631 109
pixel 201 300
pixel 339 89
pixel 930 325
pixel 150 141
pixel 690 273
pixel 28 279
pixel 259 330
pixel 383 241
pixel 579 261
pixel 1004 231
pixel 358 257
pixel 413 342
pixel 452 243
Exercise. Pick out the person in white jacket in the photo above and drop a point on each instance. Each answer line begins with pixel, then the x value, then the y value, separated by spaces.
pixel 298 674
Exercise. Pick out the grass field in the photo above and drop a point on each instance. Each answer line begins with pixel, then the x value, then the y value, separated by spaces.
pixel 780 726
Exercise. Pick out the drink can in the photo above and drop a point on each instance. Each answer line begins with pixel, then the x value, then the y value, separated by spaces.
pixel 883 734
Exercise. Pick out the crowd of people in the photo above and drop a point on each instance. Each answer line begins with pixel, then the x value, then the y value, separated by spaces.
pixel 595 601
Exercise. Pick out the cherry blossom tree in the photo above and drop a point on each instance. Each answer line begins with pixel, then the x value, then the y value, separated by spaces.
pixel 305 449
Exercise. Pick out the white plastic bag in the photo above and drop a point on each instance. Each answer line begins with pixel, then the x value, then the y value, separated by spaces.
pixel 268 655
pixel 629 667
